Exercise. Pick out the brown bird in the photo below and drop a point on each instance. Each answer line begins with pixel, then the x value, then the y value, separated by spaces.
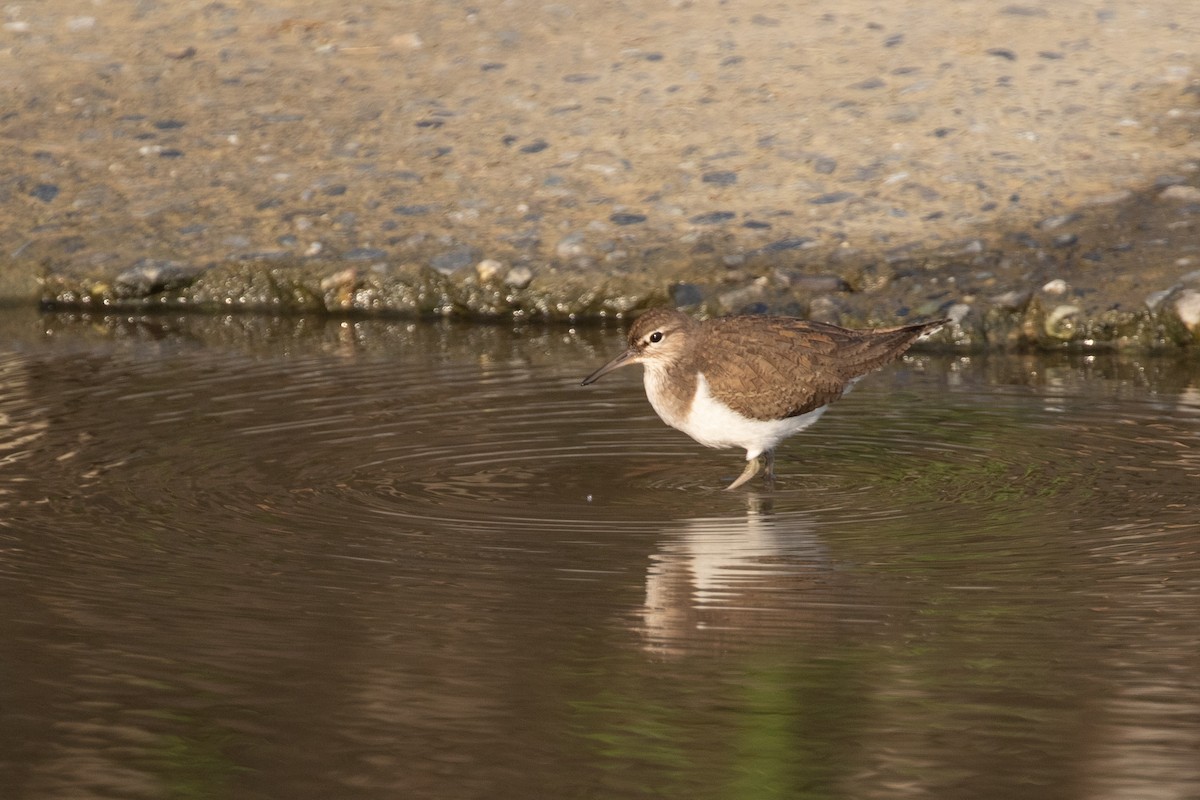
pixel 752 381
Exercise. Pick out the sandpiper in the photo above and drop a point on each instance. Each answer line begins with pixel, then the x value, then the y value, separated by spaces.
pixel 752 381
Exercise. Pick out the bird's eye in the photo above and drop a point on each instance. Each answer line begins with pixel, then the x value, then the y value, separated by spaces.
pixel 656 337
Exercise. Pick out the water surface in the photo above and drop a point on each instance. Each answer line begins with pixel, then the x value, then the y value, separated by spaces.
pixel 252 558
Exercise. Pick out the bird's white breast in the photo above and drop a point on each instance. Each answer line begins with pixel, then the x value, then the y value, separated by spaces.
pixel 714 424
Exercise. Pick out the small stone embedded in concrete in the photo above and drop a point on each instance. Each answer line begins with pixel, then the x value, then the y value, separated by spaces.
pixel 453 260
pixel 1155 299
pixel 1060 322
pixel 1014 300
pixel 824 165
pixel 151 275
pixel 626 218
pixel 741 298
pixel 488 269
pixel 720 178
pixel 571 245
pixel 413 210
pixel 823 284
pixel 340 279
pixel 831 197
pixel 519 277
pixel 1163 181
pixel 787 243
pixel 365 254
pixel 712 218
pixel 1181 194
pixel 1187 308
pixel 1057 221
pixel 46 192
pixel 686 294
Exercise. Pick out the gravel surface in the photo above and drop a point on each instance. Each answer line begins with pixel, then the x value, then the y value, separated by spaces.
pixel 851 160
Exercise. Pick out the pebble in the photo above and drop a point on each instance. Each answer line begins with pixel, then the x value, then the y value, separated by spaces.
pixel 1187 306
pixel 738 299
pixel 625 218
pixel 453 260
pixel 412 211
pixel 1060 323
pixel 1155 299
pixel 823 284
pixel 374 254
pixel 44 192
pixel 720 178
pixel 1181 194
pixel 341 279
pixel 1050 223
pixel 488 269
pixel 150 275
pixel 536 146
pixel 686 294
pixel 1015 300
pixel 824 165
pixel 519 277
pixel 570 246
pixel 831 197
pixel 788 243
pixel 958 312
pixel 77 24
pixel 712 218
pixel 1057 287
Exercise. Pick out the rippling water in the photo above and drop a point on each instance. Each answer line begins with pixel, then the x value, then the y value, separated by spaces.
pixel 293 558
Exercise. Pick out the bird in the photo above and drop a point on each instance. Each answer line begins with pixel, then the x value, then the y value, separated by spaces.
pixel 752 381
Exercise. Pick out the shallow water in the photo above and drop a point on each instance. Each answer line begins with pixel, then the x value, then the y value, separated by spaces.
pixel 298 558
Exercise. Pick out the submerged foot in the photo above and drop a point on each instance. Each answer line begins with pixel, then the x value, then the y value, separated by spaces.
pixel 752 468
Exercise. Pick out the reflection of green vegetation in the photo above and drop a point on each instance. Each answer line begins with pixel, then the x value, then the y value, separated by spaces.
pixel 981 480
pixel 784 729
pixel 195 767
pixel 642 738
pixel 793 725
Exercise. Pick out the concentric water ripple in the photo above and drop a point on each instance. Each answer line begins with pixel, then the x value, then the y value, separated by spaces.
pixel 417 539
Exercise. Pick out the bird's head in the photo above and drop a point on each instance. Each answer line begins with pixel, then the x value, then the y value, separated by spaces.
pixel 656 338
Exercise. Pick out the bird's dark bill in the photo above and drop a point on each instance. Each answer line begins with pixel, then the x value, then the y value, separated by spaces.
pixel 619 361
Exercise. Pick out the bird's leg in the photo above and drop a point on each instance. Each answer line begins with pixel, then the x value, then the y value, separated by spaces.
pixel 752 468
pixel 769 475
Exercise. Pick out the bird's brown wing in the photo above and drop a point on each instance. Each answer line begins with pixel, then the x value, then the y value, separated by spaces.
pixel 777 367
